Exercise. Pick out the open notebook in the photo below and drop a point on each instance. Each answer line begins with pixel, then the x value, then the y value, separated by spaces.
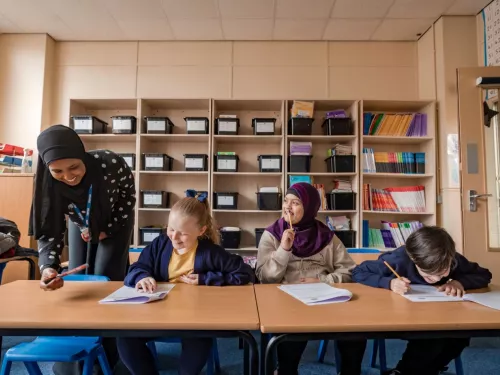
pixel 127 295
pixel 428 293
pixel 316 293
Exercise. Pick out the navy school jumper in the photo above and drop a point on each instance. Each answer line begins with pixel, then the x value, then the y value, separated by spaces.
pixel 212 264
pixel 376 274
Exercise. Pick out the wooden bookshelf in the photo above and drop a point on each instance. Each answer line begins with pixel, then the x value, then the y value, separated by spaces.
pixel 386 143
pixel 248 146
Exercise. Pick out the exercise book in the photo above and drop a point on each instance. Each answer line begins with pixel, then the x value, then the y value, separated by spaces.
pixel 316 293
pixel 128 295
pixel 428 293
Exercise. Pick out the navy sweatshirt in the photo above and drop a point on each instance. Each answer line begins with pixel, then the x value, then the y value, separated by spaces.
pixel 376 274
pixel 212 264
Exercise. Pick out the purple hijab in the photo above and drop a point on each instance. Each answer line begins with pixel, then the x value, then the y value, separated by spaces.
pixel 311 235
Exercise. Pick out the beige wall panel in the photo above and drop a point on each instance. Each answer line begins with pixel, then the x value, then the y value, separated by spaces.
pixel 426 66
pixel 96 53
pixel 49 81
pixel 280 54
pixel 271 82
pixel 185 53
pixel 395 83
pixel 184 82
pixel 480 39
pixel 372 54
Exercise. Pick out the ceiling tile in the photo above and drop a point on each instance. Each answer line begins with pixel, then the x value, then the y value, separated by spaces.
pixel 402 29
pixel 89 19
pixel 247 29
pixel 246 8
pixel 184 9
pixel 200 29
pixel 300 9
pixel 7 26
pixel 361 8
pixel 352 29
pixel 467 7
pixel 134 9
pixel 299 29
pixel 419 8
pixel 146 29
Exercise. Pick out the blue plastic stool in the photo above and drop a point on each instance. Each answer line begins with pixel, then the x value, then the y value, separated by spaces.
pixel 59 349
pixel 323 346
pixel 380 344
pixel 213 361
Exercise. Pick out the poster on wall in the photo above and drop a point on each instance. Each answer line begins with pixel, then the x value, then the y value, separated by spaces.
pixel 491 17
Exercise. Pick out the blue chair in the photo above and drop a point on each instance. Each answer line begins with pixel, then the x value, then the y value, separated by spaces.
pixel 213 362
pixel 60 349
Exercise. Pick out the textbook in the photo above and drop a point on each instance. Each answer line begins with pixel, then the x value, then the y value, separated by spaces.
pixel 428 293
pixel 316 293
pixel 128 295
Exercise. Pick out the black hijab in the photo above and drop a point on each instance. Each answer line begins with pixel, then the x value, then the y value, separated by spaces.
pixel 52 198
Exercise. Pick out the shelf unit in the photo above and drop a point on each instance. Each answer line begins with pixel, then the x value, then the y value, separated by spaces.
pixel 425 144
pixel 248 179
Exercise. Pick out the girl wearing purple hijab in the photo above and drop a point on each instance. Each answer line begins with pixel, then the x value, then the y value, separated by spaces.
pixel 305 251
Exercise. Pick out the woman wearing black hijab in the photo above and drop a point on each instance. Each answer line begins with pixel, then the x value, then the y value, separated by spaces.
pixel 67 178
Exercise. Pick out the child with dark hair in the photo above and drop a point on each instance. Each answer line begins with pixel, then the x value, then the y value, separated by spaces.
pixel 429 258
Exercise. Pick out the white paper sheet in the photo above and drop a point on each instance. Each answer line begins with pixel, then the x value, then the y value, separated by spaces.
pixel 316 293
pixel 127 295
pixel 428 293
pixel 488 299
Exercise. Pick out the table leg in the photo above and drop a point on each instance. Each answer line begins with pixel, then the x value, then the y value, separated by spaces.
pixel 32 268
pixel 264 341
pixel 246 359
pixel 251 345
pixel 270 350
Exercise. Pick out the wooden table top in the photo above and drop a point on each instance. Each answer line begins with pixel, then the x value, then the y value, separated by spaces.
pixel 370 310
pixel 76 306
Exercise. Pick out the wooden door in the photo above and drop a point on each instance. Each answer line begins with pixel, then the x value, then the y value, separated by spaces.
pixel 479 161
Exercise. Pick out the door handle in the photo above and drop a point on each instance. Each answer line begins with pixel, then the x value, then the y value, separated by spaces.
pixel 473 196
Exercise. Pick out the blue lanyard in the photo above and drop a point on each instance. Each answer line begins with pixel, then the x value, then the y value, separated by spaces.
pixel 85 221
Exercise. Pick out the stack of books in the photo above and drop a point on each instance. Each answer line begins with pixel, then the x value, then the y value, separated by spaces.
pixel 300 148
pixel 394 199
pixel 342 186
pixel 340 149
pixel 395 124
pixel 390 236
pixel 393 162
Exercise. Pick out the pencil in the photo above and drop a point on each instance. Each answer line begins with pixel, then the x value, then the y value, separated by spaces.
pixel 290 220
pixel 393 270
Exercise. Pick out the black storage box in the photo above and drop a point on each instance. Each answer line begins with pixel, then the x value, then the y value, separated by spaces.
pixel 270 163
pixel 148 234
pixel 258 235
pixel 226 163
pixel 300 126
pixel 226 201
pixel 341 164
pixel 157 162
pixel 340 201
pixel 124 125
pixel 129 159
pixel 299 163
pixel 230 239
pixel 337 126
pixel 155 198
pixel 158 125
pixel 348 237
pixel 269 201
pixel 195 162
pixel 227 126
pixel 263 126
pixel 196 125
pixel 88 125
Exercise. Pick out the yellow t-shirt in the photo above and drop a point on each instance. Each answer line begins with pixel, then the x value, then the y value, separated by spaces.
pixel 181 264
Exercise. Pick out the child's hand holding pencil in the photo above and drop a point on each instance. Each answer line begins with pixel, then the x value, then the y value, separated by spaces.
pixel 401 285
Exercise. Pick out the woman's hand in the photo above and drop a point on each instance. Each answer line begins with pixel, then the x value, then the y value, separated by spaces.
pixel 148 285
pixel 48 274
pixel 287 239
pixel 192 279
pixel 102 236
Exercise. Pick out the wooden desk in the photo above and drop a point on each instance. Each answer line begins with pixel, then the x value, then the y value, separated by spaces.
pixel 372 313
pixel 187 311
